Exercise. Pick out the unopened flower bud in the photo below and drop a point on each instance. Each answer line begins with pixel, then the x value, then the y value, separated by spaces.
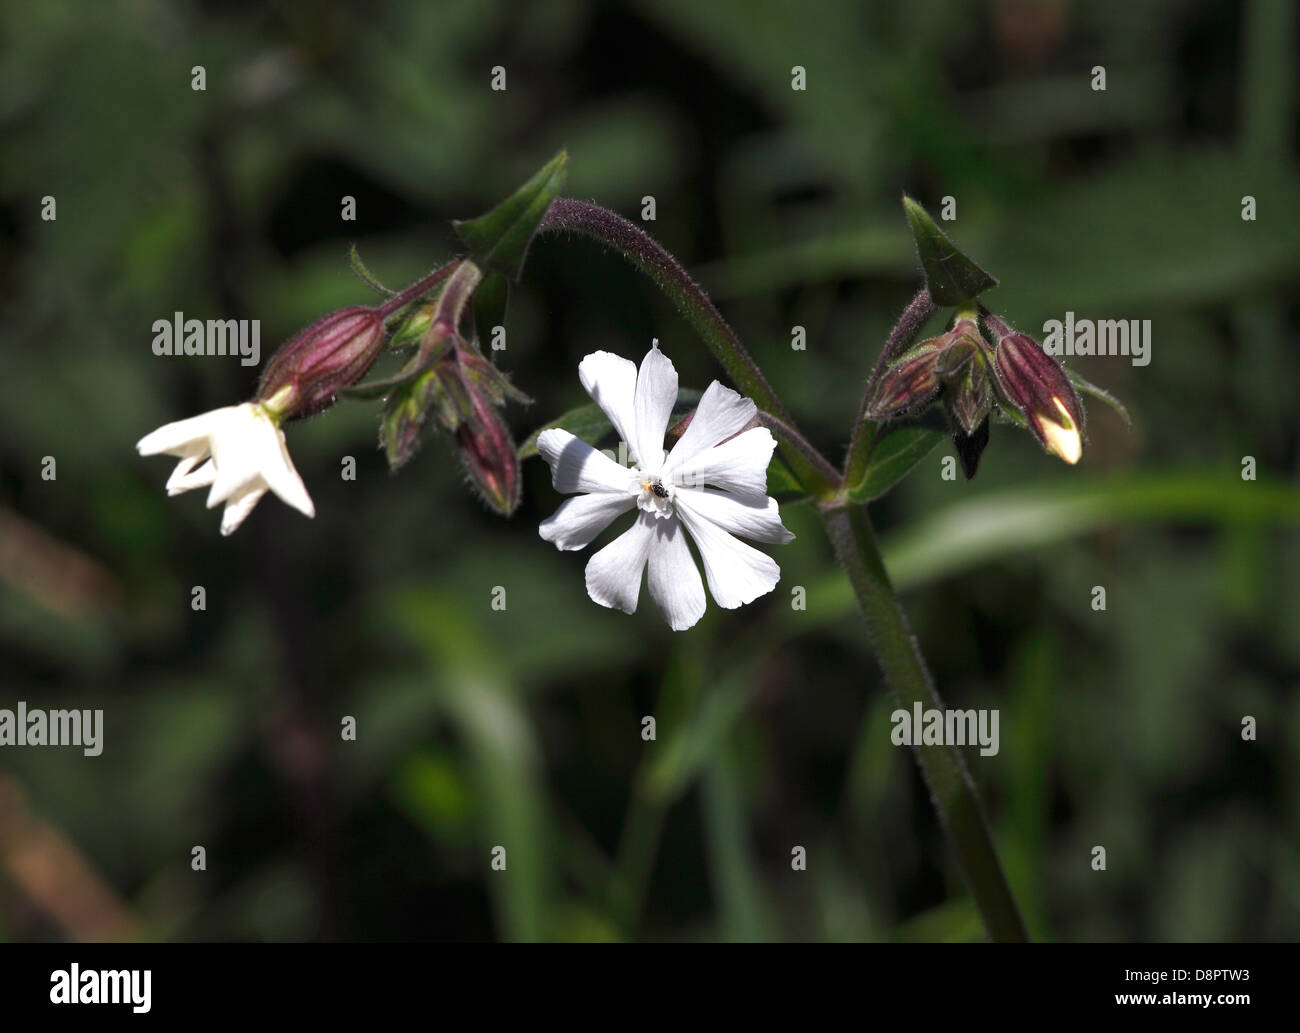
pixel 960 345
pixel 490 455
pixel 909 382
pixel 307 373
pixel 968 398
pixel 1035 383
pixel 414 327
pixel 404 414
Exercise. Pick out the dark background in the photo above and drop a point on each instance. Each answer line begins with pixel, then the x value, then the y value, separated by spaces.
pixel 521 728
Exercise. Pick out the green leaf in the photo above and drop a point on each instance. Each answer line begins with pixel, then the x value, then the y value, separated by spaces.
pixel 590 423
pixel 950 277
pixel 587 422
pixel 1086 387
pixel 781 479
pixel 499 240
pixel 893 457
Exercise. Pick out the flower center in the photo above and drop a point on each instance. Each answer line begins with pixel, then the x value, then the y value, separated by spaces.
pixel 654 495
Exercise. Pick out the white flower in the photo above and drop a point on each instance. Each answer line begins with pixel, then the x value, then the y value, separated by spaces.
pixel 712 485
pixel 242 452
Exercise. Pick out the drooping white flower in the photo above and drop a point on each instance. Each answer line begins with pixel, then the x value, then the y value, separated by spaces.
pixel 712 486
pixel 238 450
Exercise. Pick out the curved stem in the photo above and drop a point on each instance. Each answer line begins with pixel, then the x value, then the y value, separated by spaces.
pixel 649 257
pixel 914 317
pixel 951 789
pixel 419 288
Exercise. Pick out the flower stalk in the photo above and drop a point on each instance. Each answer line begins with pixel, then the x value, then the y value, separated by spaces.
pixel 951 790
pixel 909 325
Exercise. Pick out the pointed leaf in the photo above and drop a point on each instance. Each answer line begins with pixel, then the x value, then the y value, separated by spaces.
pixel 950 277
pixel 499 240
pixel 366 276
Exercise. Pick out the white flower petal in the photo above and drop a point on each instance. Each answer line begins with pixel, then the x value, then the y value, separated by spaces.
pixel 576 466
pixel 235 455
pixel 239 506
pixel 611 381
pixel 580 519
pixel 739 465
pixel 278 471
pixel 737 573
pixel 722 413
pixel 185 477
pixel 759 519
pixel 248 453
pixel 614 573
pixel 184 437
pixel 673 577
pixel 656 394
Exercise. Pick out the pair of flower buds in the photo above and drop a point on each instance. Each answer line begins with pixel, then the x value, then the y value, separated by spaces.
pixel 238 452
pixel 960 368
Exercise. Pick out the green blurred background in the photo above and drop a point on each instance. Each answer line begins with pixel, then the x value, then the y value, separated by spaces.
pixel 522 728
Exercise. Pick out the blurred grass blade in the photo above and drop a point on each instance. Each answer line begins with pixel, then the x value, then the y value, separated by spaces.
pixel 685 755
pixel 740 898
pixel 1011 522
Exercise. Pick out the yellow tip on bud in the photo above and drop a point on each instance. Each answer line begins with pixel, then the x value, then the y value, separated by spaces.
pixel 1062 438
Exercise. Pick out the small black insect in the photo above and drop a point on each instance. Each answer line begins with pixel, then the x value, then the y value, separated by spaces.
pixel 659 489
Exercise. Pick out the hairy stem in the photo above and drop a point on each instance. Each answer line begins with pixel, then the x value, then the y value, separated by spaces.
pixel 648 256
pixel 951 789
pixel 914 317
pixel 418 289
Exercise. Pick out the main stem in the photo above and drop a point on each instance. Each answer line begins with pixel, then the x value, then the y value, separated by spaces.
pixel 950 785
pixel 850 533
